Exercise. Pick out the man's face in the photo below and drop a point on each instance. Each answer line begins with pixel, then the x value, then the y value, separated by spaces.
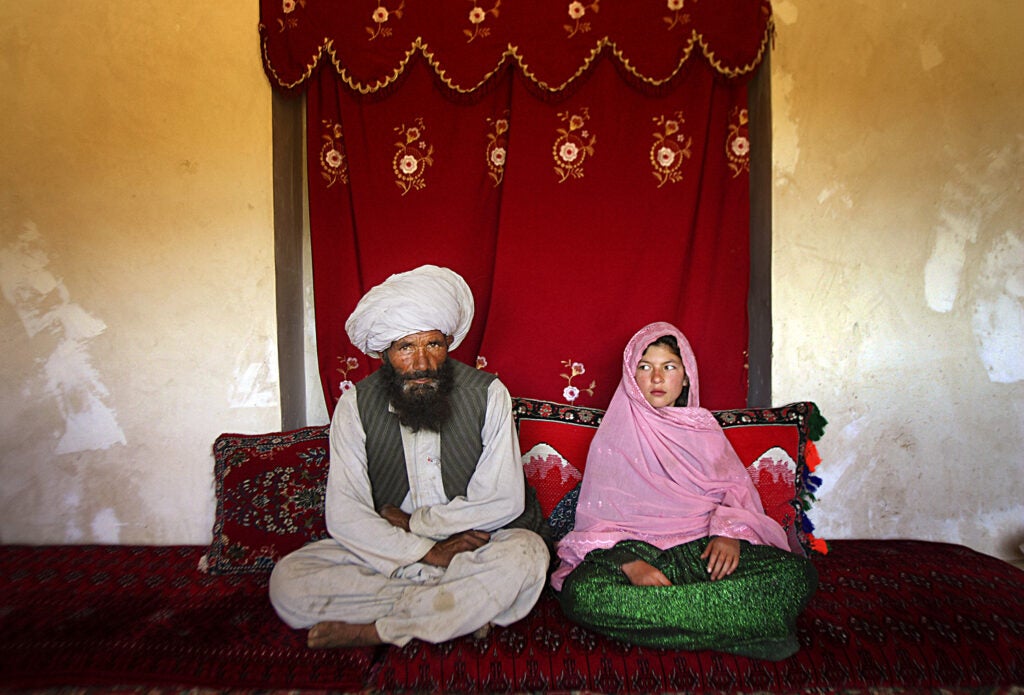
pixel 420 379
pixel 417 358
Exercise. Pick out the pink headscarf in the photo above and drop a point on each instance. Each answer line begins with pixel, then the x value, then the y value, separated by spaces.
pixel 665 476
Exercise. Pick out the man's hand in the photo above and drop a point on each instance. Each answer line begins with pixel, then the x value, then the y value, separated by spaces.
pixel 443 551
pixel 395 516
pixel 723 556
pixel 642 573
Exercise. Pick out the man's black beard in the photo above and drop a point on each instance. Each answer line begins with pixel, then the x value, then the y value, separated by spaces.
pixel 421 406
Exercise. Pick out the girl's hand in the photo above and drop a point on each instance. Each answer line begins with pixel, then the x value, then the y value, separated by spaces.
pixel 642 573
pixel 723 556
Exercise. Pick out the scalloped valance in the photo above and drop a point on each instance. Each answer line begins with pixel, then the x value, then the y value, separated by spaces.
pixel 467 43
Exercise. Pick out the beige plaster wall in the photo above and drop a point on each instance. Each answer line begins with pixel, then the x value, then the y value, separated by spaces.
pixel 136 264
pixel 898 264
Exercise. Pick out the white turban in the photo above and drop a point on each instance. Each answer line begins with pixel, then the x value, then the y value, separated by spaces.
pixel 427 298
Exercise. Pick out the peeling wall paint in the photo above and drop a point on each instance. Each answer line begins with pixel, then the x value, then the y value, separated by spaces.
pixel 785 132
pixel 105 527
pixel 998 317
pixel 931 55
pixel 970 201
pixel 973 203
pixel 71 501
pixel 44 306
pixel 942 273
pixel 255 377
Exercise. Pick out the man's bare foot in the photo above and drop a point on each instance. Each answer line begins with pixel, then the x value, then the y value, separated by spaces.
pixel 334 633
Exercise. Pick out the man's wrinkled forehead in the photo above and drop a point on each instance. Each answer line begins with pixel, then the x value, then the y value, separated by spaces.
pixel 420 338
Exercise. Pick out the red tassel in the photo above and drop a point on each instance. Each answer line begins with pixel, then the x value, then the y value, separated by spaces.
pixel 811 456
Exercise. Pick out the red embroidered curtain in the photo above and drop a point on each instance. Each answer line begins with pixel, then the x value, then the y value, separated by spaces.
pixel 584 165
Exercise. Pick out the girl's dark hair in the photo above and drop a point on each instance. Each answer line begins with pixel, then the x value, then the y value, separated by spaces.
pixel 668 341
pixel 672 344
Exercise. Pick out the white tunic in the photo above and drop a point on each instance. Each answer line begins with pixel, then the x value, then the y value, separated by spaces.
pixel 369 570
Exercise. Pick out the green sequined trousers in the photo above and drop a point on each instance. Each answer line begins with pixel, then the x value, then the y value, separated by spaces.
pixel 751 612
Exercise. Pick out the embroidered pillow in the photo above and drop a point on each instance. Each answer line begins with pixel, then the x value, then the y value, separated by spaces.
pixel 776 445
pixel 270 498
pixel 554 440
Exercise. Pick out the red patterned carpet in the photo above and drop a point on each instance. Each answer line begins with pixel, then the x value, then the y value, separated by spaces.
pixel 904 616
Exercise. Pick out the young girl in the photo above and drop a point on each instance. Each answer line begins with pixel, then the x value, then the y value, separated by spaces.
pixel 671 547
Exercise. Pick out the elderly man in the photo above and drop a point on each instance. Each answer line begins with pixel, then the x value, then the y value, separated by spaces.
pixel 434 532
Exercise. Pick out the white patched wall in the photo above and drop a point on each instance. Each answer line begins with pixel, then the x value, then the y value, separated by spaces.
pixel 898 282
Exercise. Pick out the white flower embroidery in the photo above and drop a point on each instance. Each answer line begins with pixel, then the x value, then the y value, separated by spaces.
pixel 671 147
pixel 576 10
pixel 408 165
pixel 477 15
pixel 347 365
pixel 496 151
pixel 570 393
pixel 675 5
pixel 332 160
pixel 288 6
pixel 412 157
pixel 573 145
pixel 737 144
pixel 568 152
pixel 380 15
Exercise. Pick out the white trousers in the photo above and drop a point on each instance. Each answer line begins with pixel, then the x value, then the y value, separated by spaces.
pixel 497 583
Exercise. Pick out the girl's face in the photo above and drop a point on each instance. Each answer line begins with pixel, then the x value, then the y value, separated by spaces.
pixel 661 376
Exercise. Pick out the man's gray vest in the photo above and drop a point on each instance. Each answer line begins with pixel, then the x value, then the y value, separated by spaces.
pixel 461 442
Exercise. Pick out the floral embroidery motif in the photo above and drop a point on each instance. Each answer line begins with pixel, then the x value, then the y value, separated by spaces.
pixel 737 144
pixel 476 17
pixel 570 392
pixel 670 148
pixel 412 157
pixel 381 16
pixel 481 362
pixel 333 166
pixel 347 365
pixel 577 10
pixel 287 7
pixel 678 18
pixel 497 148
pixel 573 145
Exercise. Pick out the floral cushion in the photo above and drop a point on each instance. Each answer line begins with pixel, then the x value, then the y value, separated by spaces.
pixel 270 498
